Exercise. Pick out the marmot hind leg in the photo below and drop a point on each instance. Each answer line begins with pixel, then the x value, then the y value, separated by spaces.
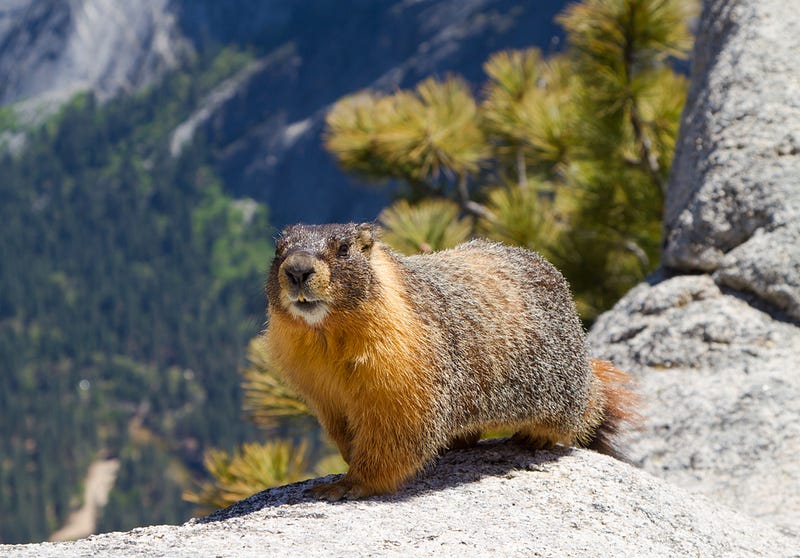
pixel 463 441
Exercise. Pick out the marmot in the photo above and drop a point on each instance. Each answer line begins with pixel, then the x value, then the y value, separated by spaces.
pixel 401 357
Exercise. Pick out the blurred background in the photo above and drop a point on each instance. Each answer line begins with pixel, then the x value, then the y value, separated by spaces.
pixel 150 151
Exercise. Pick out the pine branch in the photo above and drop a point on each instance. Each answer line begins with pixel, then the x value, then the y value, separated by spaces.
pixel 522 171
pixel 648 160
pixel 468 205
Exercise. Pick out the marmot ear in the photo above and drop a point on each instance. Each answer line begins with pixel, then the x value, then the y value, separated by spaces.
pixel 365 236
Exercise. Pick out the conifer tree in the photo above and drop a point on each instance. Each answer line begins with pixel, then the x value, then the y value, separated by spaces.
pixel 527 113
pixel 429 138
pixel 628 102
pixel 430 225
pixel 589 132
pixel 248 470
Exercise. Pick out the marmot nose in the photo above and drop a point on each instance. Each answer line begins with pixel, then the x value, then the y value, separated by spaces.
pixel 298 269
pixel 298 275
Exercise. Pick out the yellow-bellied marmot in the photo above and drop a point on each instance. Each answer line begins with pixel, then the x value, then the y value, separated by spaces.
pixel 401 357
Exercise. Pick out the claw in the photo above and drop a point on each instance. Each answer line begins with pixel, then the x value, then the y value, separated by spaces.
pixel 338 490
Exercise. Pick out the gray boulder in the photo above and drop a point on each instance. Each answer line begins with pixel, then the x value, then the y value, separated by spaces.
pixel 713 336
pixel 722 393
pixel 494 500
pixel 733 205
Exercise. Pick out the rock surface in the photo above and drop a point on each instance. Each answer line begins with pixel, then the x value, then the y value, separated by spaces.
pixel 722 393
pixel 494 500
pixel 733 206
pixel 53 49
pixel 713 337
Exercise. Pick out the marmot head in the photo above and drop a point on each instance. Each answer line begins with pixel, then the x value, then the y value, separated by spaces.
pixel 318 269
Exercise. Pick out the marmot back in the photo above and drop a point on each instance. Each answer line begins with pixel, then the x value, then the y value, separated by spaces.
pixel 402 357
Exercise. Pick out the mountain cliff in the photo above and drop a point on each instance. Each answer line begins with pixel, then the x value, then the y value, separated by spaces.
pixel 52 49
pixel 264 135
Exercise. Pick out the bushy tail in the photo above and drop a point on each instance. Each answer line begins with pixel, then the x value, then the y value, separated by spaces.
pixel 619 410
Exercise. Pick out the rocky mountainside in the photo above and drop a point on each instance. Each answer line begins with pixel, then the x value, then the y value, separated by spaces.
pixel 493 500
pixel 714 337
pixel 264 127
pixel 53 49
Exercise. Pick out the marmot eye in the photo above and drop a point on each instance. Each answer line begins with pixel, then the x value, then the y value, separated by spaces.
pixel 343 250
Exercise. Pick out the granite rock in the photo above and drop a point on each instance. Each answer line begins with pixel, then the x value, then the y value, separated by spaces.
pixel 713 337
pixel 51 50
pixel 733 201
pixel 721 390
pixel 494 500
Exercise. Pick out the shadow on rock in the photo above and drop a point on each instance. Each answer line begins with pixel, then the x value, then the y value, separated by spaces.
pixel 497 457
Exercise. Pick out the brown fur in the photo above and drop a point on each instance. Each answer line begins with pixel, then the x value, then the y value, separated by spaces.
pixel 402 357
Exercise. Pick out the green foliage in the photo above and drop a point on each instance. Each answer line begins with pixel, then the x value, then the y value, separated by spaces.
pixel 267 399
pixel 527 112
pixel 567 155
pixel 221 226
pixel 248 470
pixel 438 134
pixel 429 137
pixel 432 224
pixel 272 405
pixel 522 216
pixel 629 105
pixel 8 119
pixel 625 37
pixel 222 65
pixel 129 287
pixel 620 48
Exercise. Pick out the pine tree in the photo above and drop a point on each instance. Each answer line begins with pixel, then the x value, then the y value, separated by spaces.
pixel 267 399
pixel 429 138
pixel 567 155
pixel 430 225
pixel 253 467
pixel 628 102
pixel 527 113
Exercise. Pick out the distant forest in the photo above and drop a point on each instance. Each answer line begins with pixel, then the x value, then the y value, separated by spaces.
pixel 129 287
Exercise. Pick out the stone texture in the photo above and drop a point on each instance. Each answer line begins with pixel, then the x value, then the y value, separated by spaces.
pixel 53 49
pixel 722 393
pixel 733 202
pixel 713 336
pixel 494 500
